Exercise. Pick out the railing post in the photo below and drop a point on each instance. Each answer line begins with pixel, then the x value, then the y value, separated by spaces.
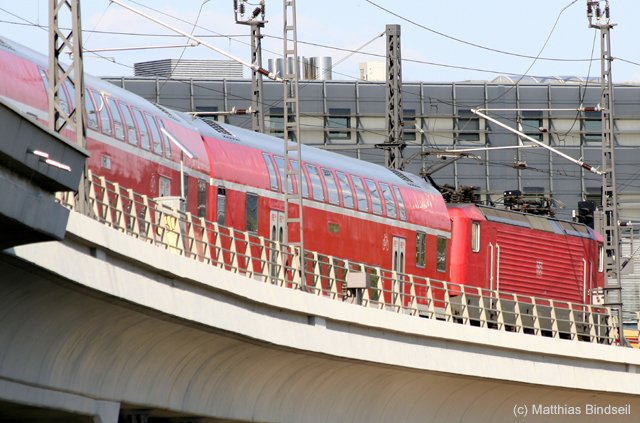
pixel 519 324
pixel 206 244
pixel 413 304
pixel 536 316
pixel 554 320
pixel 382 302
pixel 118 209
pixel 483 316
pixel 448 314
pixel 248 255
pixel 333 278
pixel 431 306
pixel 218 256
pixel 592 325
pixel 573 329
pixel 396 289
pixel 500 312
pixel 296 262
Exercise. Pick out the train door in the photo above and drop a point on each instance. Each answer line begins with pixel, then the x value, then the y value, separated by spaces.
pixel 397 261
pixel 277 227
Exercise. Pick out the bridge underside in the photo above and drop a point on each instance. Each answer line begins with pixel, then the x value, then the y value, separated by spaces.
pixel 73 354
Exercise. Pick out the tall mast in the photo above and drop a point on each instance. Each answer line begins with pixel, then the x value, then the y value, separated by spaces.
pixel 256 21
pixel 61 114
pixel 292 144
pixel 611 228
pixel 394 144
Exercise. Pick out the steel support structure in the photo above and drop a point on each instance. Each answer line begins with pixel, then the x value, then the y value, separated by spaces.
pixel 256 21
pixel 61 114
pixel 257 117
pixel 293 206
pixel 610 224
pixel 61 42
pixel 394 143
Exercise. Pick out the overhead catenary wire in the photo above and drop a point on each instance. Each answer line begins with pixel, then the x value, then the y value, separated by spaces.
pixel 314 43
pixel 470 43
pixel 259 69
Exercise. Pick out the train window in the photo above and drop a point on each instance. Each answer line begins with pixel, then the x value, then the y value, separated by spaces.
pixel 71 92
pixel 142 129
pixel 132 135
pixel 222 207
pixel 165 140
pixel 252 212
pixel 105 119
pixel 316 182
pixel 65 100
pixel 117 119
pixel 389 202
pixel 347 193
pixel 421 249
pixel 64 104
pixel 202 198
pixel 441 257
pixel 376 201
pixel 600 258
pixel 45 79
pixel 273 177
pixel 403 210
pixel 363 204
pixel 305 185
pixel 155 134
pixel 164 186
pixel 475 236
pixel 280 163
pixel 332 187
pixel 90 108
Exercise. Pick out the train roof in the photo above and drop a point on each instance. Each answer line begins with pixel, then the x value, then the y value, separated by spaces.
pixel 525 220
pixel 233 134
pixel 90 81
pixel 273 145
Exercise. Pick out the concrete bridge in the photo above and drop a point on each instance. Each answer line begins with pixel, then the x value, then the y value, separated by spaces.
pixel 103 326
pixel 109 321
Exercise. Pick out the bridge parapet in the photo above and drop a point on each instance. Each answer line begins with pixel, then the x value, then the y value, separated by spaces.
pixel 272 262
pixel 104 321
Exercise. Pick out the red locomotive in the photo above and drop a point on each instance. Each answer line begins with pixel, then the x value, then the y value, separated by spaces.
pixel 353 209
pixel 524 253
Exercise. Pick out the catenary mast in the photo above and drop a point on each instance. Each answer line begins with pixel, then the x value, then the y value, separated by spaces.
pixel 600 19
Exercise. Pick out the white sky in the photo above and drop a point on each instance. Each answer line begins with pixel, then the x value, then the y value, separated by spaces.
pixel 513 26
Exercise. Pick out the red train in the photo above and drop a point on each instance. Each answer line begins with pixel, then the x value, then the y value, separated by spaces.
pixel 353 209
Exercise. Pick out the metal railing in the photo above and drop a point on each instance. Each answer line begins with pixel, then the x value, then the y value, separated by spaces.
pixel 270 261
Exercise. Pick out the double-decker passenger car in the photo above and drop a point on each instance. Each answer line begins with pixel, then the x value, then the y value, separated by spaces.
pixel 352 209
